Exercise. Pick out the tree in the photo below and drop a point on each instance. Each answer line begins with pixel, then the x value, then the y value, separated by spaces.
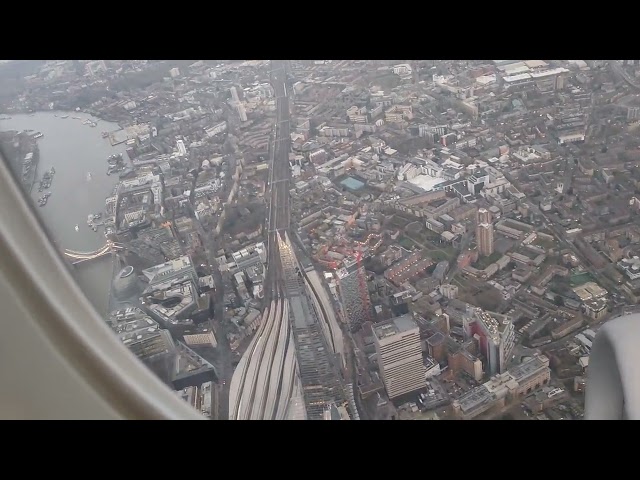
pixel 558 300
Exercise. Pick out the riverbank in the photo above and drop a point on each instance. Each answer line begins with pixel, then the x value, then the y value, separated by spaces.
pixel 75 150
pixel 23 155
pixel 120 121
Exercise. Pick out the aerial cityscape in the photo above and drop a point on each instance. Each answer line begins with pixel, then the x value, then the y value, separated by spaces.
pixel 342 240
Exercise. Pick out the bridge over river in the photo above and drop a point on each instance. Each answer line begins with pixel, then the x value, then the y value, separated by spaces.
pixel 80 257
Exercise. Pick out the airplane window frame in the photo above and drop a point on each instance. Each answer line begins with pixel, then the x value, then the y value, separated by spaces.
pixel 41 285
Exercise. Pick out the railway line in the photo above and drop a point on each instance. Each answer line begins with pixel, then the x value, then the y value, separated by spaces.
pixel 238 380
pixel 268 383
pixel 248 399
pixel 263 381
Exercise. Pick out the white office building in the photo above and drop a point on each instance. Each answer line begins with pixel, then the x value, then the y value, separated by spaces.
pixel 400 355
pixel 182 150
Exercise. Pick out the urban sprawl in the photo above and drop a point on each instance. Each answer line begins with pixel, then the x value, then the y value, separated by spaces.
pixel 363 239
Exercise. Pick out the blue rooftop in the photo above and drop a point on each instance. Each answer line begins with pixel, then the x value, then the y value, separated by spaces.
pixel 352 183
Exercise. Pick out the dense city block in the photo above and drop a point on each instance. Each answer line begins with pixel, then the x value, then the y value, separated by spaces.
pixel 358 239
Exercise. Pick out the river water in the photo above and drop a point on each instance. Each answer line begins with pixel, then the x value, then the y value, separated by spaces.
pixel 74 150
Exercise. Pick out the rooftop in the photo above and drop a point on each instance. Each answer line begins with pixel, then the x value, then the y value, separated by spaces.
pixel 427 182
pixel 492 324
pixel 174 301
pixel 596 304
pixel 397 325
pixel 132 325
pixel 436 339
pixel 352 183
pixel 528 368
pixel 475 399
pixel 157 273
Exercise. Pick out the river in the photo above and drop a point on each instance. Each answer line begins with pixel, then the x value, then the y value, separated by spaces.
pixel 74 150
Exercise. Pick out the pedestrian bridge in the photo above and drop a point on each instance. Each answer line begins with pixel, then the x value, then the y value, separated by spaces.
pixel 80 257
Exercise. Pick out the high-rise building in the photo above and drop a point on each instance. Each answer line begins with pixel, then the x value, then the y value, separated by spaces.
pixel 182 150
pixel 242 113
pixel 234 94
pixel 484 238
pixel 400 355
pixel 235 103
pixel 496 338
pixel 484 216
pixel 449 291
pixel 174 271
pixel 354 296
